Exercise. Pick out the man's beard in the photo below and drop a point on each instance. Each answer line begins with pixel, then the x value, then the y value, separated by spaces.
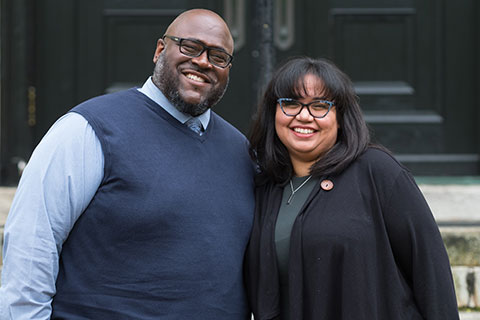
pixel 166 80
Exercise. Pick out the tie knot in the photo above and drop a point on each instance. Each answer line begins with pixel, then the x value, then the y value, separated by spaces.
pixel 195 125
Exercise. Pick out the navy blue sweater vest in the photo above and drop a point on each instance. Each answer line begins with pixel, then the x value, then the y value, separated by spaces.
pixel 164 237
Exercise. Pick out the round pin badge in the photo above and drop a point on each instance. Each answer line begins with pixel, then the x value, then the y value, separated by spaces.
pixel 326 185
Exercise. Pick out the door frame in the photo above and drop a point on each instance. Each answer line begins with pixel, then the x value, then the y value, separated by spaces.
pixel 17 67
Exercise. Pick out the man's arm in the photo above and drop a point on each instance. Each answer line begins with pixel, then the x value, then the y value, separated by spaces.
pixel 58 183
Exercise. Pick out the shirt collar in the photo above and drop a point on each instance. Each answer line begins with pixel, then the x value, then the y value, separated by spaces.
pixel 151 90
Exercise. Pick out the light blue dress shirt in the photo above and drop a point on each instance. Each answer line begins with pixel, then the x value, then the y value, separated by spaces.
pixel 59 181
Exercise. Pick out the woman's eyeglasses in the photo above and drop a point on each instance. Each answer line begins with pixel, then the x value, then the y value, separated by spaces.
pixel 317 108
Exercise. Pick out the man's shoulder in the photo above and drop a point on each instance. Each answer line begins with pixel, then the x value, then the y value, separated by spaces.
pixel 110 97
pixel 110 105
pixel 116 107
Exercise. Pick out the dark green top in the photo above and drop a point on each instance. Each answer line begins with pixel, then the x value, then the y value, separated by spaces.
pixel 286 217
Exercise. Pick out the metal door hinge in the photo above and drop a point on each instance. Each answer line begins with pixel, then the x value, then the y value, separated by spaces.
pixel 32 106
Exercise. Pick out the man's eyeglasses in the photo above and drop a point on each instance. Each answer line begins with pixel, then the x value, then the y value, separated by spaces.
pixel 317 108
pixel 194 48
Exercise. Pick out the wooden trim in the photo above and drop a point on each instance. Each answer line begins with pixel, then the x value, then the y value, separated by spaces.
pixel 373 11
pixel 477 62
pixel 439 157
pixel 16 136
pixel 5 16
pixel 403 118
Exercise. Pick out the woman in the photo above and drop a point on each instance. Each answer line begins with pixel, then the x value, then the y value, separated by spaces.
pixel 341 230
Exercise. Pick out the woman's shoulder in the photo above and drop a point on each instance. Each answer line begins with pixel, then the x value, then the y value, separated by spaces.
pixel 379 160
pixel 379 155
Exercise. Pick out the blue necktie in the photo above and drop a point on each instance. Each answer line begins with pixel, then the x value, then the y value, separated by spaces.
pixel 195 125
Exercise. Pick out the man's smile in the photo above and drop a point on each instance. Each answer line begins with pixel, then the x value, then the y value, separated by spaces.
pixel 194 77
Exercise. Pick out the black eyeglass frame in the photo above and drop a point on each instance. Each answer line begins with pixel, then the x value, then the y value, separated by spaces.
pixel 179 41
pixel 305 105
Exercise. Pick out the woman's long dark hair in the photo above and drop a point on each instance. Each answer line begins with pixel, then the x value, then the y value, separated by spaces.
pixel 353 136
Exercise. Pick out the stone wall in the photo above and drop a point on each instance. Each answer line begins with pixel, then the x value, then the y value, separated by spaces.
pixel 456 208
pixel 6 197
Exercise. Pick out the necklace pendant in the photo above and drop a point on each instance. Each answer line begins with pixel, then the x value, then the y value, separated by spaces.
pixel 295 190
pixel 290 198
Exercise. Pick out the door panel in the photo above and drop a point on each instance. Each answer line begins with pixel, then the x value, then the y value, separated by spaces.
pixel 401 60
pixel 117 44
pixel 116 47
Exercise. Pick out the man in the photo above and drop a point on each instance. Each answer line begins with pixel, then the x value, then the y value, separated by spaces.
pixel 124 212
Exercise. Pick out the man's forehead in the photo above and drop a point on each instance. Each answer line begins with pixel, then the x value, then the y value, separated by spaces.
pixel 208 28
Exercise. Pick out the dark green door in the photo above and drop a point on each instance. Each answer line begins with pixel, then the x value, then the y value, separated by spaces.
pixel 414 65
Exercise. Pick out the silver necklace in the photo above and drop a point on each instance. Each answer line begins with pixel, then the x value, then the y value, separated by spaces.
pixel 295 190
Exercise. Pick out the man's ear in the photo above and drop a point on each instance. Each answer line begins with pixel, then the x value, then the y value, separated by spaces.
pixel 158 50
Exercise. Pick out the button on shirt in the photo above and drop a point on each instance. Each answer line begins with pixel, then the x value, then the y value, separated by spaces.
pixel 61 178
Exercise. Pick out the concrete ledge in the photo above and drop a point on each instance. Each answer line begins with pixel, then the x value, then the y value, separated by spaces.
pixel 453 204
pixel 469 315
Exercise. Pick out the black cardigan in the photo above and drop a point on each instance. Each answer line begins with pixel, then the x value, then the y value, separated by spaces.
pixel 367 249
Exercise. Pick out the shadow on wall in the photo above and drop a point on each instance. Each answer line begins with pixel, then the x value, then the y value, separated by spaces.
pixel 463 247
pixel 467 283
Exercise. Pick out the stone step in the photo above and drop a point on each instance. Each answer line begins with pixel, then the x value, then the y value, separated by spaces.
pixel 469 315
pixel 455 203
